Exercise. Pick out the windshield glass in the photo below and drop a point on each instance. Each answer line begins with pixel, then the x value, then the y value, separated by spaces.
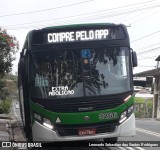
pixel 80 72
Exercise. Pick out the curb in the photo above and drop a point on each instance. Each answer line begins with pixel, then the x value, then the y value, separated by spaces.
pixel 157 119
pixel 4 116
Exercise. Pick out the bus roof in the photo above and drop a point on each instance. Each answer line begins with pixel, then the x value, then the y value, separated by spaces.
pixel 81 25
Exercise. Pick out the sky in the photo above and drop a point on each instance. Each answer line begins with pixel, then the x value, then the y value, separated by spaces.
pixel 142 18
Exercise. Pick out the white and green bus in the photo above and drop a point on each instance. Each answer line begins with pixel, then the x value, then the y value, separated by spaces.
pixel 76 83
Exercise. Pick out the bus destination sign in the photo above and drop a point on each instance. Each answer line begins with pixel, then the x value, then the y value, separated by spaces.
pixel 73 36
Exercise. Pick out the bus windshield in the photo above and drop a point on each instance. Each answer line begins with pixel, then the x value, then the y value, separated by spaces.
pixel 68 73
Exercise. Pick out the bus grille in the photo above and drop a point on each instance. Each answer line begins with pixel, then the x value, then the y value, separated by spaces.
pixel 86 106
pixel 72 130
pixel 81 104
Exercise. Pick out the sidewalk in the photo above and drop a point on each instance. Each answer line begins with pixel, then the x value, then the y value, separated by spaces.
pixel 4 116
pixel 4 130
pixel 10 129
pixel 18 131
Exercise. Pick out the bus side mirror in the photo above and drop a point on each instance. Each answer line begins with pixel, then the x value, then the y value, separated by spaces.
pixel 134 59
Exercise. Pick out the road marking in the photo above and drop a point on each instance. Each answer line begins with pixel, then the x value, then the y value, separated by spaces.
pixel 122 148
pixel 148 132
pixel 140 148
pixel 130 148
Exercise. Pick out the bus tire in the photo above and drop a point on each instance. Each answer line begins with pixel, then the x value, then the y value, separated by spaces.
pixel 111 140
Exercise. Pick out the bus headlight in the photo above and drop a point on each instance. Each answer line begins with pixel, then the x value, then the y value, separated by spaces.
pixel 123 117
pixel 47 123
pixel 130 110
pixel 126 114
pixel 37 117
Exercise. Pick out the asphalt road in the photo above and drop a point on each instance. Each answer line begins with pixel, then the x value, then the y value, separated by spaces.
pixel 147 130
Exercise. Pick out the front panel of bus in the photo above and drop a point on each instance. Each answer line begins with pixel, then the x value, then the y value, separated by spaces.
pixel 81 84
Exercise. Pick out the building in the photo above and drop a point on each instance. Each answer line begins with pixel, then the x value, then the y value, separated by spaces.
pixel 156 98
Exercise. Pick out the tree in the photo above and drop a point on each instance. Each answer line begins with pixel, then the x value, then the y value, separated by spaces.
pixel 8 47
pixel 3 90
pixel 5 103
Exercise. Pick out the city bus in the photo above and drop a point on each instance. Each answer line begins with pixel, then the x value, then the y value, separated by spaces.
pixel 76 83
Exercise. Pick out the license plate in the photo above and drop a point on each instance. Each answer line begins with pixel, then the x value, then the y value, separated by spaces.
pixel 89 131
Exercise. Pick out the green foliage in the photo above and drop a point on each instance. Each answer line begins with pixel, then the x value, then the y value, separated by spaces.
pixel 5 106
pixel 8 87
pixel 2 84
pixel 8 47
pixel 149 105
pixel 3 90
pixel 139 114
pixel 139 100
pixel 10 76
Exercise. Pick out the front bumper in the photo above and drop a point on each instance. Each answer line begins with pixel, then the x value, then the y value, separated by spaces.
pixel 42 133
